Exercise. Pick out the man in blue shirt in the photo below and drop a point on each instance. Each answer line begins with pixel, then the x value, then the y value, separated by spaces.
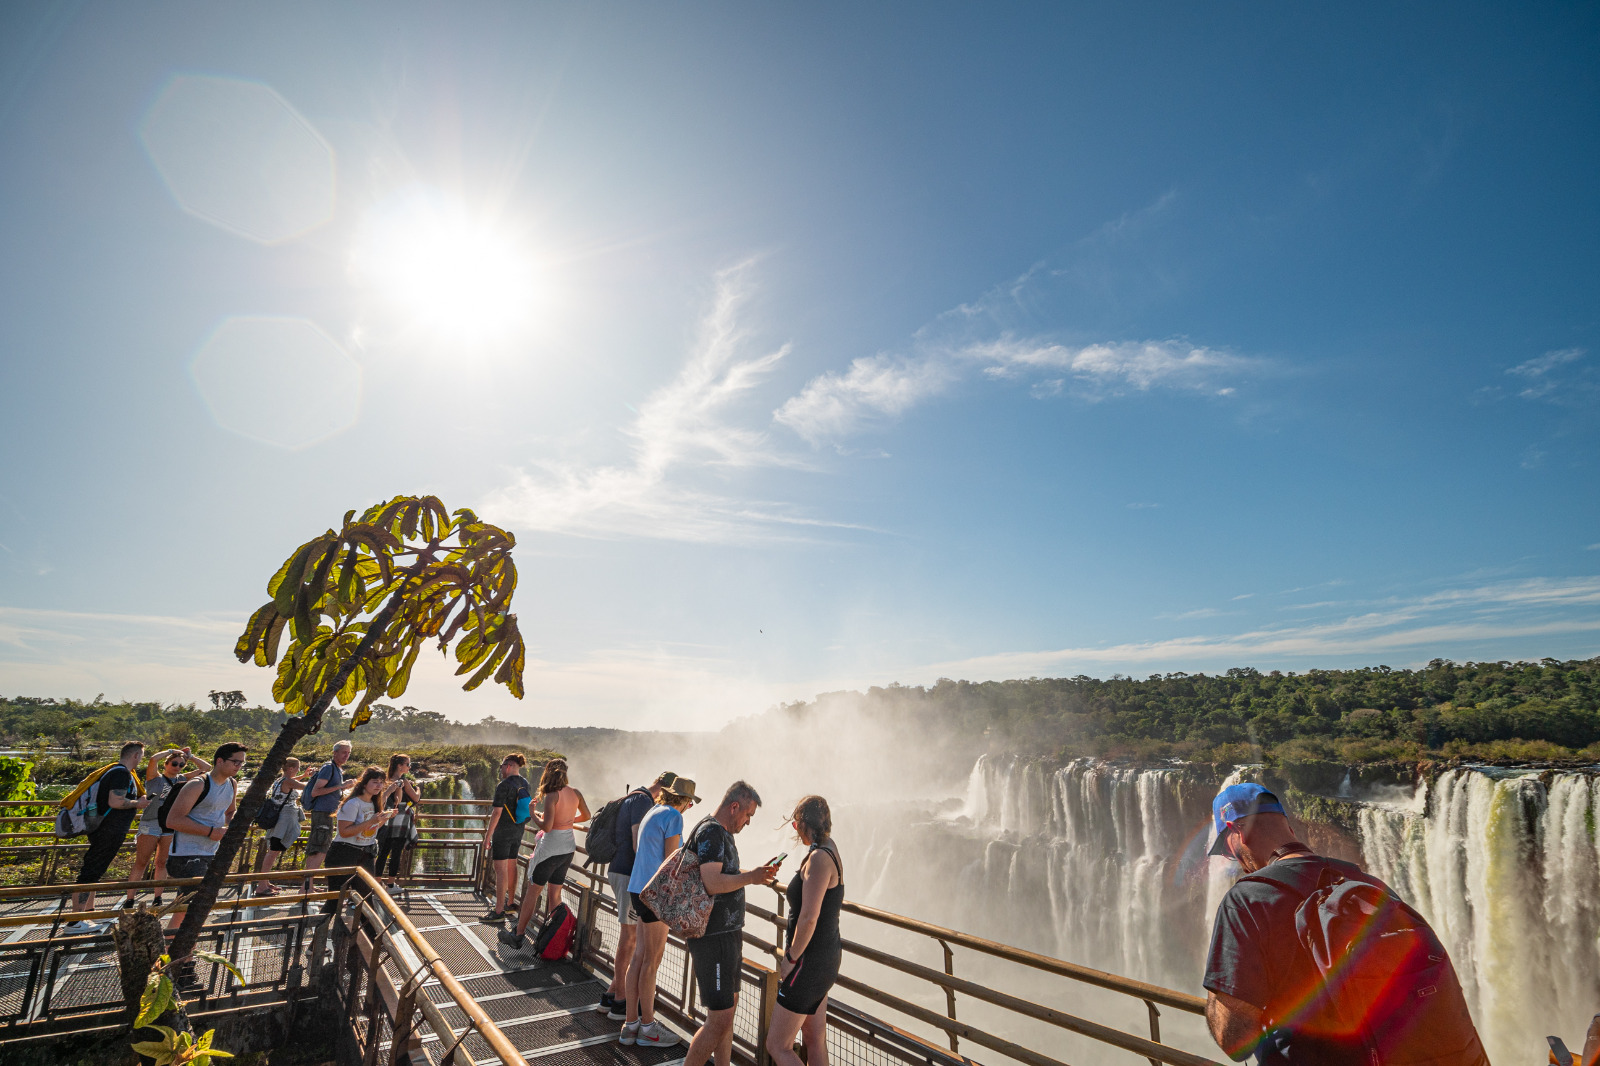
pixel 322 795
pixel 634 807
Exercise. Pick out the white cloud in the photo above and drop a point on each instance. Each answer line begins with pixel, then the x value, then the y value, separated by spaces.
pixel 1113 368
pixel 1541 372
pixel 881 387
pixel 684 429
pixel 836 405
pixel 1430 625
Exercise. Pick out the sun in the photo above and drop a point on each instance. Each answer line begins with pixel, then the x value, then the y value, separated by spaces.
pixel 461 277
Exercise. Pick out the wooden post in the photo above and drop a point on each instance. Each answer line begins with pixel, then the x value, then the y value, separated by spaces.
pixel 588 906
pixel 950 993
pixel 769 1004
pixel 1155 1026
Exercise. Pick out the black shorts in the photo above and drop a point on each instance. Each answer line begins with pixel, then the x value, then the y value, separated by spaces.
pixel 809 983
pixel 642 912
pixel 503 848
pixel 188 865
pixel 718 961
pixel 551 871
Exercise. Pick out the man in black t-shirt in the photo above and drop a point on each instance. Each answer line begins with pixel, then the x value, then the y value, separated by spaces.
pixel 118 797
pixel 718 956
pixel 502 837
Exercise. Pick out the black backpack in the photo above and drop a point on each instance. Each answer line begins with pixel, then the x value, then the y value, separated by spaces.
pixel 601 841
pixel 271 807
pixel 1389 996
pixel 172 794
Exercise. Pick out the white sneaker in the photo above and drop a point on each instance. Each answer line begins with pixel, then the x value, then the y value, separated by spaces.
pixel 82 927
pixel 656 1035
pixel 629 1034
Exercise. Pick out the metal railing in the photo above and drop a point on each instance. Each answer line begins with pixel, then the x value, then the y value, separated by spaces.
pixel 382 969
pixel 847 1024
pixel 442 851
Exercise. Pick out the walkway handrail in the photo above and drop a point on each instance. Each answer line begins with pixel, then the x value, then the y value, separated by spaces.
pixel 503 1048
pixel 1138 989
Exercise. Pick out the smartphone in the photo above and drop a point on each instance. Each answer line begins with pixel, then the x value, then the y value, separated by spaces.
pixel 779 860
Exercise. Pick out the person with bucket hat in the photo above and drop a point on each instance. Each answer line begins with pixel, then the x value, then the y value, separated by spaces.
pixel 635 805
pixel 657 836
pixel 1314 962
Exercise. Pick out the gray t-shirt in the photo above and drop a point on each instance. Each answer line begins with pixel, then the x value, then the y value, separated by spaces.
pixel 158 787
pixel 210 811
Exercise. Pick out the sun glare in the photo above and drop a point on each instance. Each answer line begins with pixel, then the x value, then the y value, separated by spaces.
pixel 446 271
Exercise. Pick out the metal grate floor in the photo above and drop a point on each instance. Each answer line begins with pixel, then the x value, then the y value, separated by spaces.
pixel 544 1008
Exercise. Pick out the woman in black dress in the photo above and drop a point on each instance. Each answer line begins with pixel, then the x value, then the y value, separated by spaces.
pixel 811 956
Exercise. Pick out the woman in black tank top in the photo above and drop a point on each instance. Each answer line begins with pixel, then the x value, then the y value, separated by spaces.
pixel 811 947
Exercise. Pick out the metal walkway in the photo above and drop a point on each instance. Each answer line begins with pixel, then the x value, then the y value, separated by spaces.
pixel 547 1009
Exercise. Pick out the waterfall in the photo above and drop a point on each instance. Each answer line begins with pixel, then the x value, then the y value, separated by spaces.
pixel 1110 853
pixel 1504 865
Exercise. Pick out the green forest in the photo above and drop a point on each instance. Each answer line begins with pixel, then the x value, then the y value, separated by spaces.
pixel 1491 711
pixel 1546 711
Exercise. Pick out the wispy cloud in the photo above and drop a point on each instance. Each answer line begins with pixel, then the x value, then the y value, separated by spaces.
pixel 1542 373
pixel 835 405
pixel 684 430
pixel 1436 624
pixel 878 388
pixel 1102 370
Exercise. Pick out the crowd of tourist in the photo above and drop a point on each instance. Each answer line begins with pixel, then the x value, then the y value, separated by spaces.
pixel 1267 995
pixel 183 805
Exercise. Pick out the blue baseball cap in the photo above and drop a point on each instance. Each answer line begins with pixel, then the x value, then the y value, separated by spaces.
pixel 1240 801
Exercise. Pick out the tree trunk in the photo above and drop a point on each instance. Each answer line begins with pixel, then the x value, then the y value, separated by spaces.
pixel 140 942
pixel 205 896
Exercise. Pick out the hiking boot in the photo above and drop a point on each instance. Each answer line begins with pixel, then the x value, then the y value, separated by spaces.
pixel 512 939
pixel 655 1035
pixel 125 905
pixel 606 999
pixel 493 917
pixel 629 1034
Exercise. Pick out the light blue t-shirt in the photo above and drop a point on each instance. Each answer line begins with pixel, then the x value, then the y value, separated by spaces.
pixel 662 822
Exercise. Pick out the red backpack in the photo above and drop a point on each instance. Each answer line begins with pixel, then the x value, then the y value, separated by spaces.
pixel 1389 994
pixel 555 935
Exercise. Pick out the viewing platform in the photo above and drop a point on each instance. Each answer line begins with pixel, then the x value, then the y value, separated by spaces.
pixel 419 980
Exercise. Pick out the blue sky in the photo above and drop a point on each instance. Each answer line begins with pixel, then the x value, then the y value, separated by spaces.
pixel 806 348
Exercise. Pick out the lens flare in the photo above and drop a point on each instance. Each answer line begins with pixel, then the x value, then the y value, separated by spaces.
pixel 461 277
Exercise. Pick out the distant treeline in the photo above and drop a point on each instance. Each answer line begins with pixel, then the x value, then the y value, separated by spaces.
pixel 87 729
pixel 1498 711
pixel 1494 710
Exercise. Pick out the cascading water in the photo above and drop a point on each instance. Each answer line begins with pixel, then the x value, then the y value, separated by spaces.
pixel 1505 866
